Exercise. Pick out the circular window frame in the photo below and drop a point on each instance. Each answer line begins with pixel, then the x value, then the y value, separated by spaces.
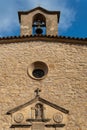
pixel 37 65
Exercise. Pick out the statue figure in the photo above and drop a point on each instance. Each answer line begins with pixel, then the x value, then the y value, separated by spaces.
pixel 38 111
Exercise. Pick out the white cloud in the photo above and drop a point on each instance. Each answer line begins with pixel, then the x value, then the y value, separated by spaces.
pixel 9 9
pixel 67 18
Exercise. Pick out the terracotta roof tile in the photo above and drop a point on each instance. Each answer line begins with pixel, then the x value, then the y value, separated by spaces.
pixel 49 38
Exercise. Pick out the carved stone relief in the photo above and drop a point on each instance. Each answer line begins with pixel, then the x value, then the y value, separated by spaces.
pixel 58 117
pixel 39 111
pixel 18 118
pixel 38 114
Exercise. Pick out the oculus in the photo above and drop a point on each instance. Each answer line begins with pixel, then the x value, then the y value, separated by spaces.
pixel 38 70
pixel 38 73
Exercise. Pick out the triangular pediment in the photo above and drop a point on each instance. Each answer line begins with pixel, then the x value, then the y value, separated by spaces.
pixel 41 100
pixel 38 110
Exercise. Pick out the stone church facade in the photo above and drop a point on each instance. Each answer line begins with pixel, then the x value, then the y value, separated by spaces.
pixel 43 76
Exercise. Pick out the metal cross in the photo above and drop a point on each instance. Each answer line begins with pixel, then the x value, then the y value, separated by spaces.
pixel 37 91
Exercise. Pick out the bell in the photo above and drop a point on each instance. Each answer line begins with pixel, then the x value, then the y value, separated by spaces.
pixel 39 30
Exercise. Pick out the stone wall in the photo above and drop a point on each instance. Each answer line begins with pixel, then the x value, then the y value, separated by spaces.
pixel 64 85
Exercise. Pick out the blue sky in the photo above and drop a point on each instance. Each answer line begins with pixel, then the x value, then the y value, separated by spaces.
pixel 73 18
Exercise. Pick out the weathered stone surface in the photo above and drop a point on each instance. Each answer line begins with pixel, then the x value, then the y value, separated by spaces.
pixel 64 85
pixel 51 23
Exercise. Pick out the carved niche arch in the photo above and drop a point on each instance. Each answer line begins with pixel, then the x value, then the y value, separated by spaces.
pixel 39 113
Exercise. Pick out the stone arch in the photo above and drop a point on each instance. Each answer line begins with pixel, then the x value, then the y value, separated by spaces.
pixel 39 24
pixel 40 17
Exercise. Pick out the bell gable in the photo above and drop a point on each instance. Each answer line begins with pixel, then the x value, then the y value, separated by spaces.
pixel 39 21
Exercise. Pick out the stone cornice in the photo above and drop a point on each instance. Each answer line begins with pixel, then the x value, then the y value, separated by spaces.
pixel 41 9
pixel 41 100
pixel 49 38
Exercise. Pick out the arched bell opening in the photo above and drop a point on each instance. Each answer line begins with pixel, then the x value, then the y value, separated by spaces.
pixel 39 24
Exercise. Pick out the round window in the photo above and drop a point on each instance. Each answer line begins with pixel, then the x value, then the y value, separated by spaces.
pixel 38 70
pixel 38 73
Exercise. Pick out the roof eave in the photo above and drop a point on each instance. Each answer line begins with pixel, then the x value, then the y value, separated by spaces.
pixel 47 38
pixel 38 8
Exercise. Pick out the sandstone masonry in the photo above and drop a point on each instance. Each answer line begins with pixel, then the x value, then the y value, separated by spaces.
pixel 64 84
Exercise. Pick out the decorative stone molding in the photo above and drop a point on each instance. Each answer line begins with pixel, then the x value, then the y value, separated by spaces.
pixel 58 117
pixel 18 118
pixel 32 114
